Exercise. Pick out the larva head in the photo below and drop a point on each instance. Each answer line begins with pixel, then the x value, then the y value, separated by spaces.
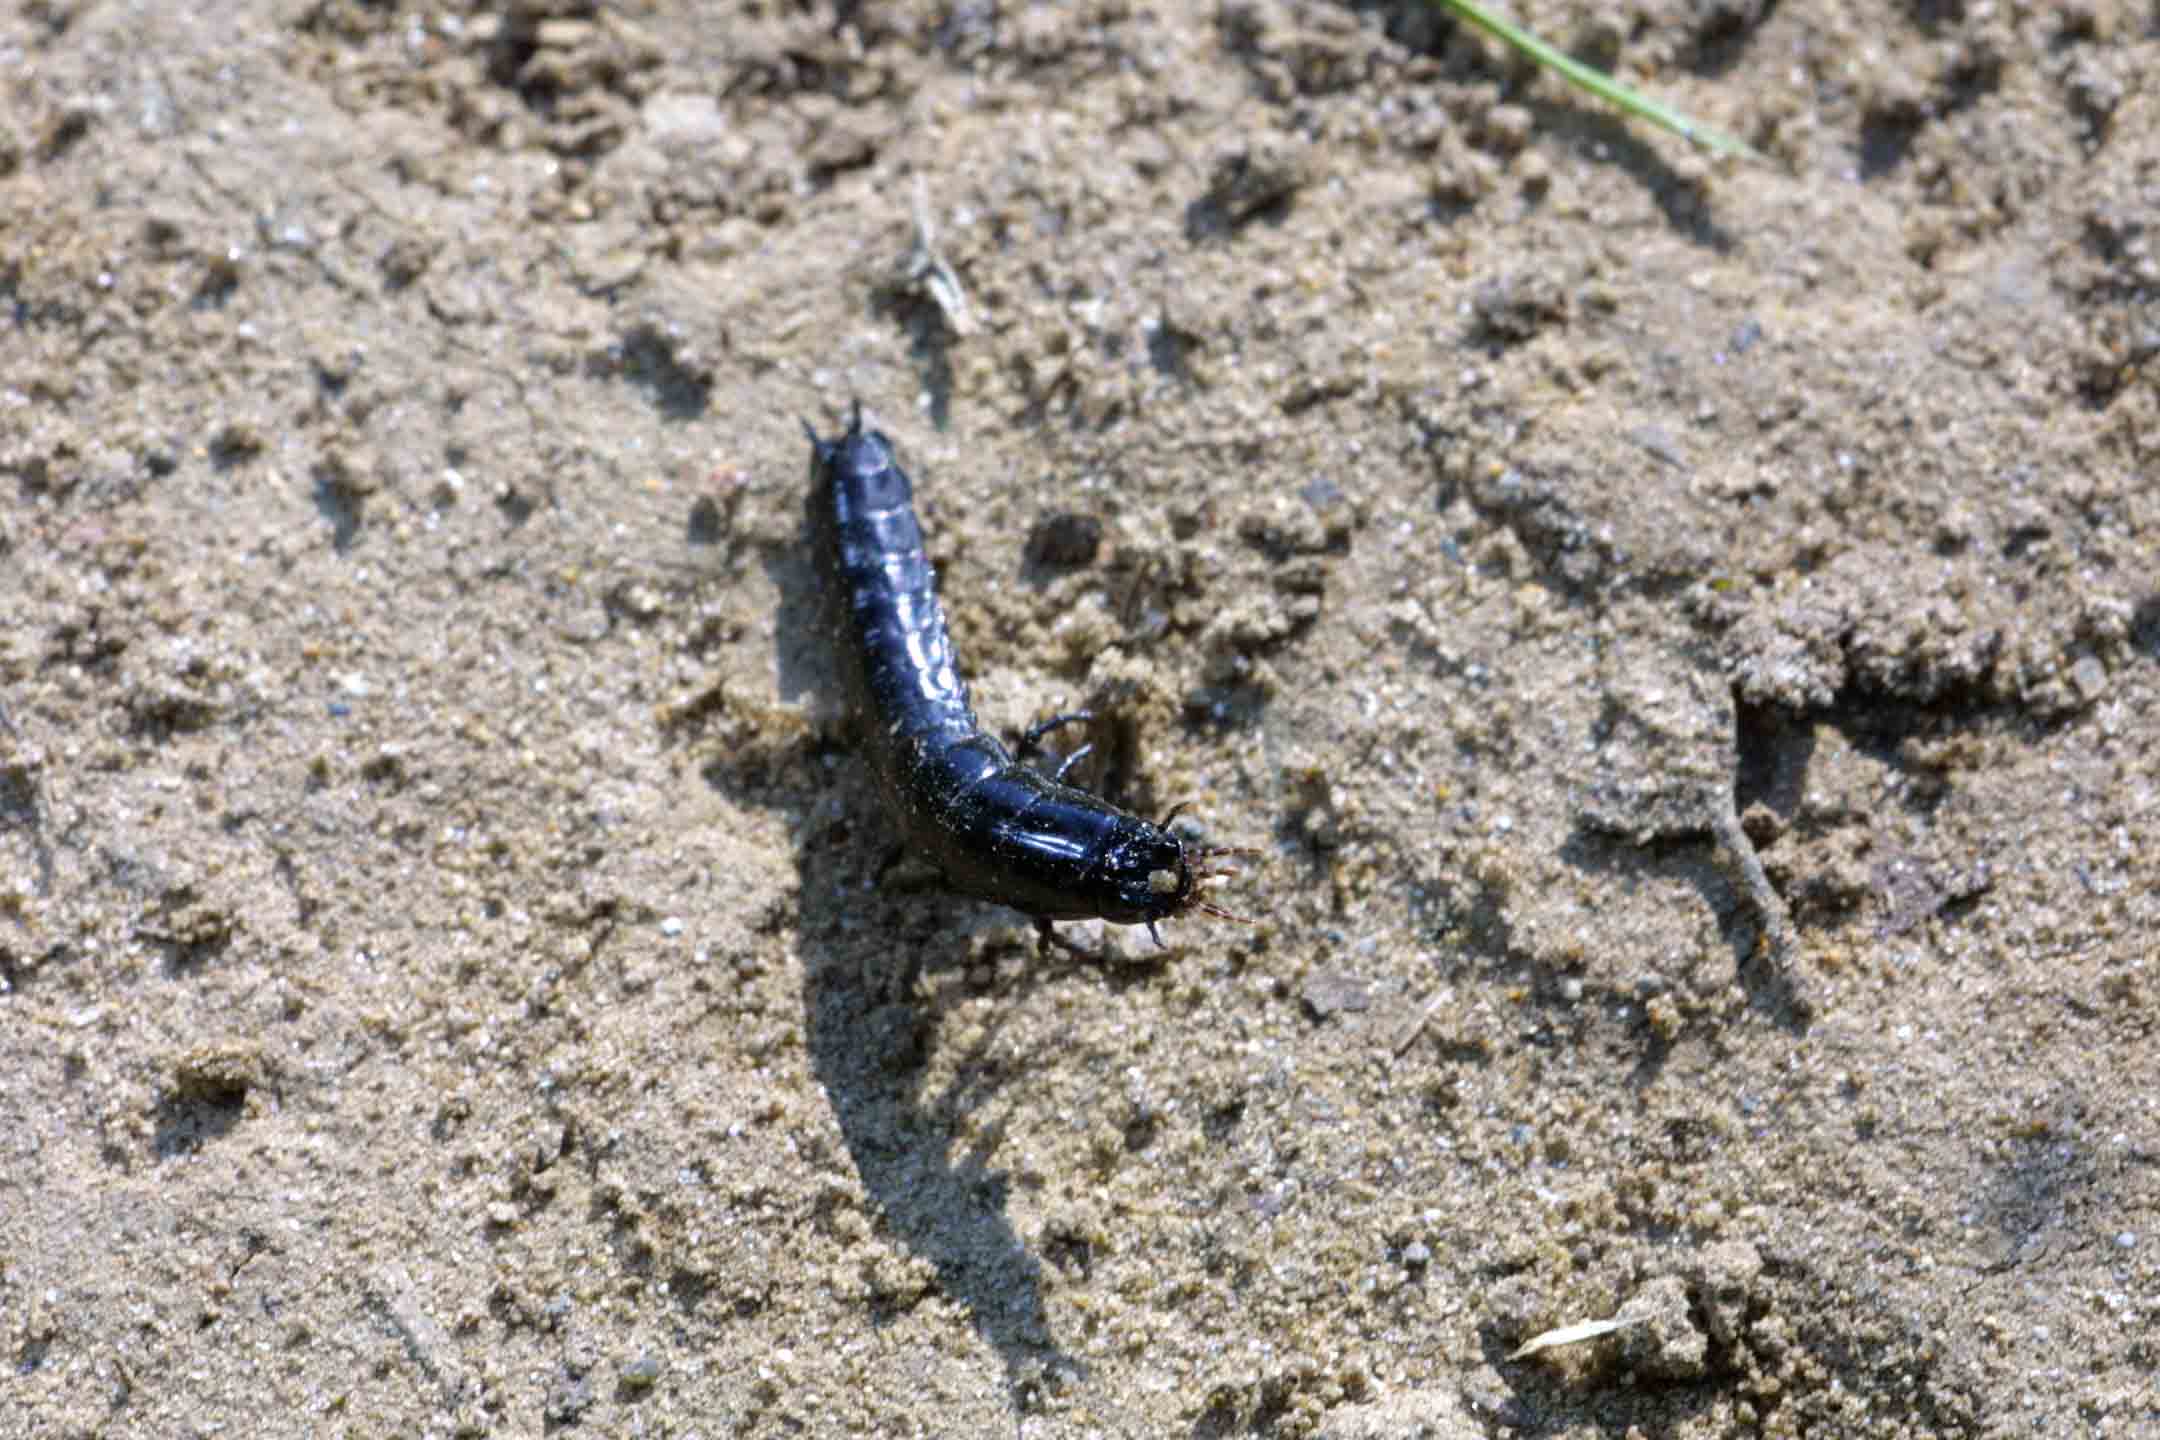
pixel 1157 876
pixel 1146 876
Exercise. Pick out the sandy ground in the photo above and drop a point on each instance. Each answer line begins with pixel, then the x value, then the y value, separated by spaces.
pixel 1686 638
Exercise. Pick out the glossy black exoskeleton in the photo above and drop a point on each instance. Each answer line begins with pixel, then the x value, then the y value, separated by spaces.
pixel 996 827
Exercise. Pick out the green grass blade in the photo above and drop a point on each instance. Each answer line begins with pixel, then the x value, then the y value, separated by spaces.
pixel 1611 91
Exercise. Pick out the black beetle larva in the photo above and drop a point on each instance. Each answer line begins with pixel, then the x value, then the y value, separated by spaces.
pixel 999 829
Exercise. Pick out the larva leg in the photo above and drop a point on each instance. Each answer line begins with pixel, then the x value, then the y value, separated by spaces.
pixel 1031 741
pixel 1035 732
pixel 1049 934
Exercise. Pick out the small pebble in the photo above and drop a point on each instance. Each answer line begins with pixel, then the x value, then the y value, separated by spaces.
pixel 2090 677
